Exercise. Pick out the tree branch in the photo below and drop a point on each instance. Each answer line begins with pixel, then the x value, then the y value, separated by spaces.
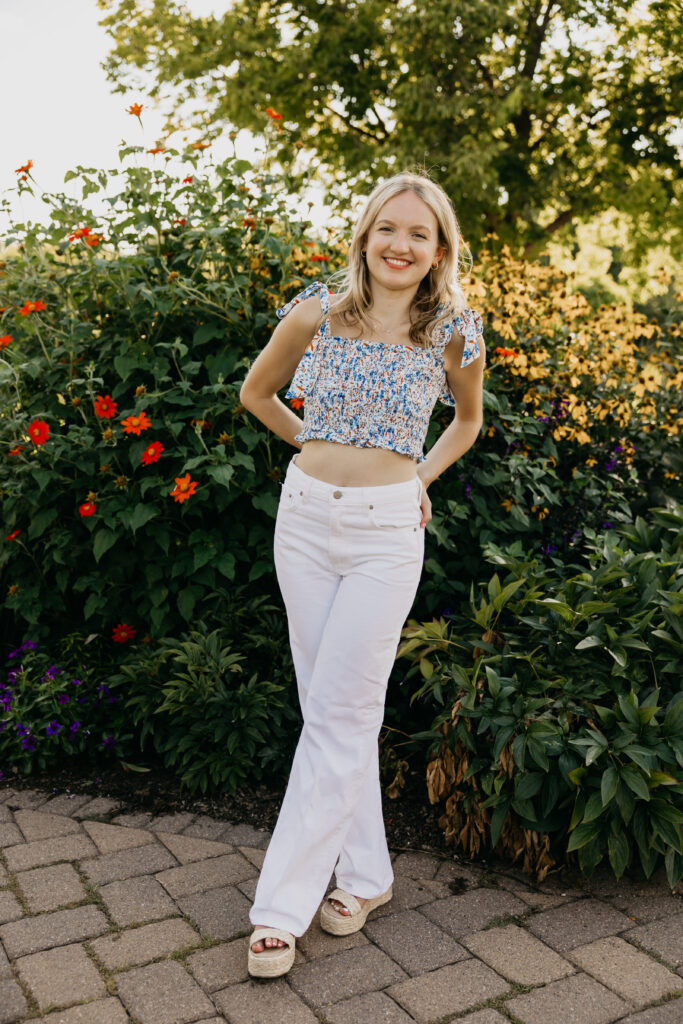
pixel 354 127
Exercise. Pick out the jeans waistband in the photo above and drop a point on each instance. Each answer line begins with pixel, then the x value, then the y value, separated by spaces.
pixel 341 495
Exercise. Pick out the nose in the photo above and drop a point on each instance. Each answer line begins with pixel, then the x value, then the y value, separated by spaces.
pixel 400 243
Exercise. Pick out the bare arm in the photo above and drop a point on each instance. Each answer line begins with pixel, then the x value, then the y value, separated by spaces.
pixel 467 386
pixel 275 365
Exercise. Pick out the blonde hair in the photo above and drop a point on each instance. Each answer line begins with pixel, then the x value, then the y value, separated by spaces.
pixel 441 287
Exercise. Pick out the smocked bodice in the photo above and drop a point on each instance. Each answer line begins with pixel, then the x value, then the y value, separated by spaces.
pixel 372 394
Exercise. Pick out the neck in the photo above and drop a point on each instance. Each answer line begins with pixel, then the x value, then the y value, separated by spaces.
pixel 391 306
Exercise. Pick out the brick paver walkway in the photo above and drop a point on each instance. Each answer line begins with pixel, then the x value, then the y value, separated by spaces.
pixel 108 917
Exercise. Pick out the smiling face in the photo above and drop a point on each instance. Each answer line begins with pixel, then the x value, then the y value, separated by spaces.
pixel 403 241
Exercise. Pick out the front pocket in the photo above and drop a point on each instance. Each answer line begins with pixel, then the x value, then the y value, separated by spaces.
pixel 399 515
pixel 291 498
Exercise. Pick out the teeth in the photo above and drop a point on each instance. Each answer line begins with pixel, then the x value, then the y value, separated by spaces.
pixel 397 263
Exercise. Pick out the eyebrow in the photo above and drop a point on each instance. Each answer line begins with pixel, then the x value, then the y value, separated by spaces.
pixel 385 221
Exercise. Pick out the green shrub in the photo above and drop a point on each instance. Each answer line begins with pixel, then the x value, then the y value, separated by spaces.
pixel 560 721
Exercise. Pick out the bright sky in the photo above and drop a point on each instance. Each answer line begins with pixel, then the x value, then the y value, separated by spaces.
pixel 63 113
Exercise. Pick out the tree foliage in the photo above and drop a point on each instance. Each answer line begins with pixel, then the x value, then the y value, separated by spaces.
pixel 533 114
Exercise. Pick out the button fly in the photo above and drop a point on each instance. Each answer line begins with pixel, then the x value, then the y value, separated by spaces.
pixel 337 494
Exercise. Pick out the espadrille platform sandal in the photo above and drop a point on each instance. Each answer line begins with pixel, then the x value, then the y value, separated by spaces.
pixel 343 924
pixel 273 961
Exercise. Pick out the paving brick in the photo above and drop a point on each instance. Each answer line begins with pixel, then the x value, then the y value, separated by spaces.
pixel 407 894
pixel 578 999
pixel 188 850
pixel 219 913
pixel 465 876
pixel 486 1017
pixel 220 966
pixel 99 807
pixel 48 851
pixel 472 911
pixel 48 930
pixel 649 907
pixel 5 814
pixel 137 946
pixel 4 877
pixel 244 835
pixel 254 856
pixel 51 887
pixel 114 838
pixel 58 977
pixel 138 820
pixel 248 887
pixel 10 908
pixel 414 942
pixel 13 1005
pixel 631 974
pixel 416 865
pixel 257 1003
pixel 163 993
pixel 137 900
pixel 10 835
pixel 351 973
pixel 206 828
pixel 206 874
pixel 578 924
pixel 667 1013
pixel 28 799
pixel 142 860
pixel 104 1011
pixel 517 955
pixel 448 990
pixel 315 942
pixel 171 822
pixel 66 803
pixel 374 1006
pixel 37 825
pixel 5 969
pixel 663 937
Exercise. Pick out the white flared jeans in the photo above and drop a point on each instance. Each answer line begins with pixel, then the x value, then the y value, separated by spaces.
pixel 348 562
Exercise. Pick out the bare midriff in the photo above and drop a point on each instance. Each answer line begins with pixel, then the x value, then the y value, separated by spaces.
pixel 349 466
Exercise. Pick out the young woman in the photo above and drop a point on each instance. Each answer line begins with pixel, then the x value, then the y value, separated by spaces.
pixel 370 361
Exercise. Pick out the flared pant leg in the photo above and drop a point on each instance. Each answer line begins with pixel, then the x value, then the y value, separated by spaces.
pixel 348 575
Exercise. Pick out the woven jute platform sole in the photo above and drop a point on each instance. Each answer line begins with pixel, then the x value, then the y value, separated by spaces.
pixel 344 924
pixel 273 961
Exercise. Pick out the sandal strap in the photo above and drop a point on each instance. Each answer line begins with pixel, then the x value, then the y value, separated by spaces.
pixel 349 901
pixel 264 932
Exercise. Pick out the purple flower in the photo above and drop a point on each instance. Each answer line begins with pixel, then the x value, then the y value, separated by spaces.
pixel 468 488
pixel 22 730
pixel 28 743
pixel 81 699
pixel 63 698
pixel 53 728
pixel 611 464
pixel 109 743
pixel 74 727
pixel 76 682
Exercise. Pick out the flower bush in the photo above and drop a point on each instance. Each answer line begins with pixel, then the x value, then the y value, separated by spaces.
pixel 560 714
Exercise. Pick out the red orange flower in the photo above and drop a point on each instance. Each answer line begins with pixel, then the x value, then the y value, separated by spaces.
pixel 122 633
pixel 179 220
pixel 39 431
pixel 152 453
pixel 135 108
pixel 25 169
pixel 88 508
pixel 136 424
pixel 105 407
pixel 15 451
pixel 157 149
pixel 248 222
pixel 32 307
pixel 188 180
pixel 201 145
pixel 13 535
pixel 320 259
pixel 184 488
pixel 5 340
pixel 273 114
pixel 506 352
pixel 296 403
pixel 79 233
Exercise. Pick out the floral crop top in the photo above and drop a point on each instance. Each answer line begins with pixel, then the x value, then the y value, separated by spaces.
pixel 371 394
